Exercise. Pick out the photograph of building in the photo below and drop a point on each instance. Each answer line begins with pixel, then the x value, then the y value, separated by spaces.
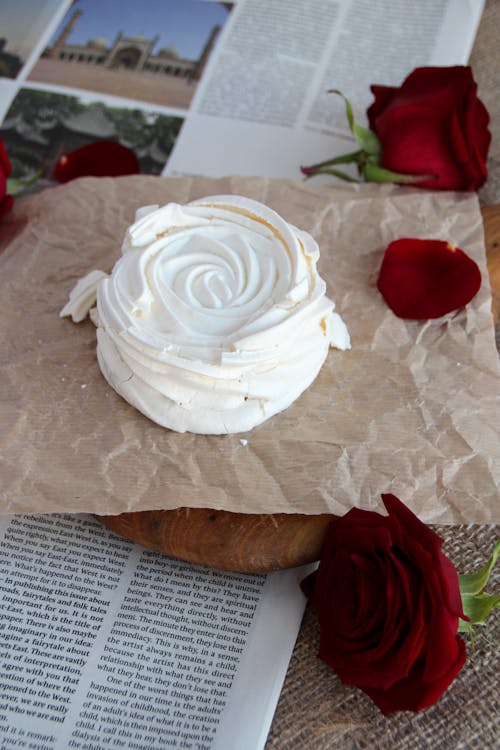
pixel 18 38
pixel 41 126
pixel 160 66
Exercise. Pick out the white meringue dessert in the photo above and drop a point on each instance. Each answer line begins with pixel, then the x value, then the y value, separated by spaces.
pixel 214 318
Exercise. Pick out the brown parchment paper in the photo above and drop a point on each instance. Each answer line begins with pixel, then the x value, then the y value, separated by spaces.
pixel 412 409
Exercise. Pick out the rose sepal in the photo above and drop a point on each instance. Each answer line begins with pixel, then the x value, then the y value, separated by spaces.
pixel 325 167
pixel 364 137
pixel 474 583
pixel 353 156
pixel 370 171
pixel 324 170
pixel 477 605
pixel 477 608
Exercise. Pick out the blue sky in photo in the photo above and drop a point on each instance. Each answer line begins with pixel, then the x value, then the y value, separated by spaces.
pixel 183 24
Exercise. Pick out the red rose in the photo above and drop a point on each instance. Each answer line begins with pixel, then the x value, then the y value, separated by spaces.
pixel 99 159
pixel 388 604
pixel 6 200
pixel 434 124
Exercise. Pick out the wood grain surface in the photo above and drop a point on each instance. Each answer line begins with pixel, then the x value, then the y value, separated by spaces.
pixel 257 543
pixel 491 220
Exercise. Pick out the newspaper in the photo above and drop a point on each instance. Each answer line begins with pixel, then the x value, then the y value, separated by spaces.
pixel 107 644
pixel 104 643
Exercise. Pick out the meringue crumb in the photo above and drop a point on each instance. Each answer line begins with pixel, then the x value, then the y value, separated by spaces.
pixel 83 385
pixel 243 442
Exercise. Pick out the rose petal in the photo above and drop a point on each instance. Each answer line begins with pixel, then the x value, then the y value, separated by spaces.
pixel 422 279
pixel 6 204
pixel 5 165
pixel 414 693
pixel 383 97
pixel 99 159
pixel 6 200
pixel 409 524
pixel 308 585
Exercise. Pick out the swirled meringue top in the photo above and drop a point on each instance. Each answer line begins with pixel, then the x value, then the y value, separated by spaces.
pixel 214 318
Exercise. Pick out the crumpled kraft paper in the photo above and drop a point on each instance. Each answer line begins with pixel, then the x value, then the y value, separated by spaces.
pixel 412 409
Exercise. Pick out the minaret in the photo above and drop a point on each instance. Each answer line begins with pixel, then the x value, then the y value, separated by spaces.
pixel 200 64
pixel 146 53
pixel 63 36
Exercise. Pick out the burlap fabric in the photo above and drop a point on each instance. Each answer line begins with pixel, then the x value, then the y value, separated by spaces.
pixel 317 712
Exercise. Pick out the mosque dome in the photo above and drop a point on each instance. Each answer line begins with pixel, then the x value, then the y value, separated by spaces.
pixel 170 51
pixel 99 42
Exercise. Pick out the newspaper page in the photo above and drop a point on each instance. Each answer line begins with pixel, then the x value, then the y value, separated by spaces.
pixel 107 644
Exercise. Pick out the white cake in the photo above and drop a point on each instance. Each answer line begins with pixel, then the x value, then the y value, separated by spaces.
pixel 214 318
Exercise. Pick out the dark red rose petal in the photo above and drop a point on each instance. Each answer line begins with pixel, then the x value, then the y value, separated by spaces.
pixel 5 165
pixel 308 584
pixel 6 204
pixel 415 693
pixel 100 159
pixel 421 279
pixel 410 524
pixel 6 201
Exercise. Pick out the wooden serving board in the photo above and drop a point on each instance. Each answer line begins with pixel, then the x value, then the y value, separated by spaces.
pixel 257 543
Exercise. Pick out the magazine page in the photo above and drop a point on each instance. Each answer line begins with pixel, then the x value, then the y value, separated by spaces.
pixel 203 87
pixel 105 643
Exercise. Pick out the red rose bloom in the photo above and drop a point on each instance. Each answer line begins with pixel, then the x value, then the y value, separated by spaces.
pixel 388 604
pixel 6 200
pixel 434 124
pixel 99 159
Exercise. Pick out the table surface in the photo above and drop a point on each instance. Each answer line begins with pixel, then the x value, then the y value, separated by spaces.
pixel 316 712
